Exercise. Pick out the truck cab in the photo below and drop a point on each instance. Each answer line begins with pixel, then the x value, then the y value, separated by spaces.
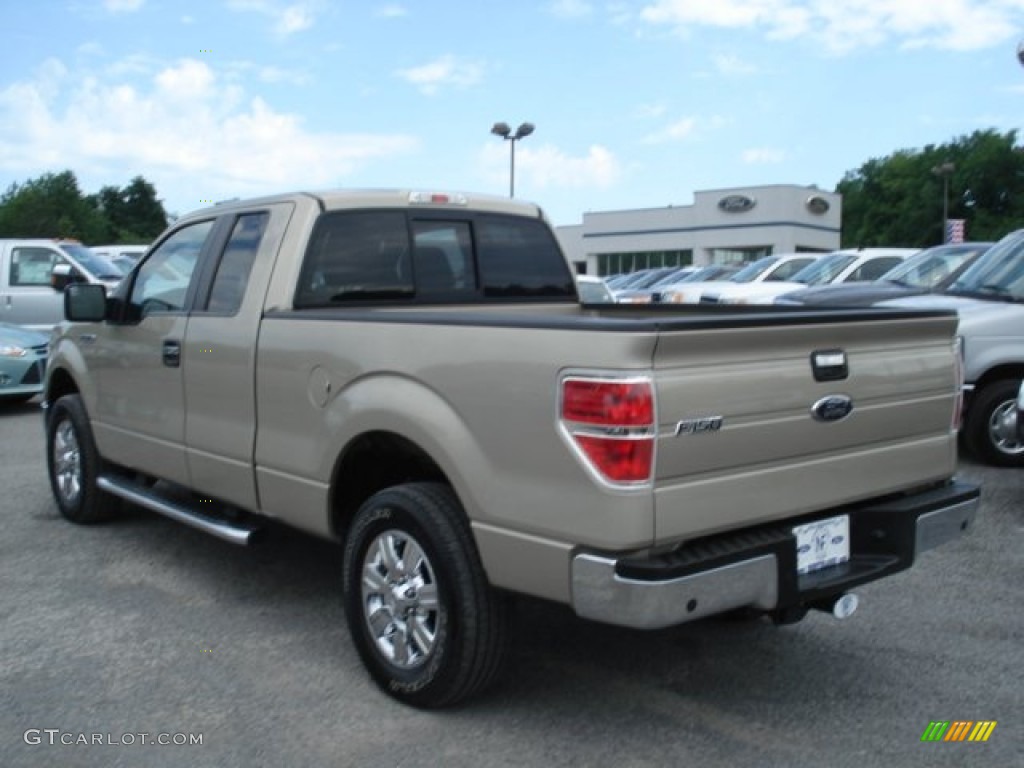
pixel 33 273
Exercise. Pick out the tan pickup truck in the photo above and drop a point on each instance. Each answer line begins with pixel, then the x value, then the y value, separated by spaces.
pixel 412 375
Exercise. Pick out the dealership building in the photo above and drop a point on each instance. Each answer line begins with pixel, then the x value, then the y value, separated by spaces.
pixel 722 226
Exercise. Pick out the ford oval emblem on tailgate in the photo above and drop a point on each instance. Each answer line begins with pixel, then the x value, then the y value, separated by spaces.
pixel 832 408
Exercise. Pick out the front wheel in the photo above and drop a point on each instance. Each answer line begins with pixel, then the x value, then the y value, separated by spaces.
pixel 426 623
pixel 990 427
pixel 74 464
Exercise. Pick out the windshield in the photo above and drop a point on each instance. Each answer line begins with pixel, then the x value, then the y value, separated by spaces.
pixel 675 277
pixel 825 269
pixel 753 270
pixel 709 272
pixel 998 275
pixel 593 293
pixel 96 265
pixel 928 268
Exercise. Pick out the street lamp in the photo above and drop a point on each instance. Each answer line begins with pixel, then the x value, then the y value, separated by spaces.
pixel 945 170
pixel 502 129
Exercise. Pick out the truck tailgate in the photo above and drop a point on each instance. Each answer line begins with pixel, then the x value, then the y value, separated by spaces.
pixel 739 442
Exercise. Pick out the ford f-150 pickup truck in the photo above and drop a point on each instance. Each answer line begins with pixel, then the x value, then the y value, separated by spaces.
pixel 412 375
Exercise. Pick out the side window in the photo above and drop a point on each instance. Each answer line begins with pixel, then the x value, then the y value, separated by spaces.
pixel 520 258
pixel 32 266
pixel 443 258
pixel 232 275
pixel 356 255
pixel 874 269
pixel 162 282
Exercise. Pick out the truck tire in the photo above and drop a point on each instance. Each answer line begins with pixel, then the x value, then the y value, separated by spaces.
pixel 74 464
pixel 988 431
pixel 426 623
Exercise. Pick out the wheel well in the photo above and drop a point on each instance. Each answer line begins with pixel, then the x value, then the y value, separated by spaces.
pixel 372 462
pixel 1007 371
pixel 60 384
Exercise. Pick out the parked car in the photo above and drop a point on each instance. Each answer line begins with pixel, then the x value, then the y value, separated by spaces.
pixel 646 279
pixel 649 291
pixel 930 271
pixel 22 363
pixel 694 275
pixel 767 268
pixel 642 469
pixel 835 267
pixel 989 298
pixel 34 272
pixel 592 290
pixel 123 256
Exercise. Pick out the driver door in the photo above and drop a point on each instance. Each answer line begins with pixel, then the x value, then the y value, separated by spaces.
pixel 139 414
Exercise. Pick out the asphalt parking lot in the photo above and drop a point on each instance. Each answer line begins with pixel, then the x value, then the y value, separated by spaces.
pixel 144 626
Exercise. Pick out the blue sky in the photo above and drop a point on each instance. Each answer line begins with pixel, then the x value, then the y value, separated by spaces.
pixel 636 104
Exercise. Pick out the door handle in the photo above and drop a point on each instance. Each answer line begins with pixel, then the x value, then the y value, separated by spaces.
pixel 172 353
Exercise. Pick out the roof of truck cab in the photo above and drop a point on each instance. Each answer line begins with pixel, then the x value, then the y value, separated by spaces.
pixel 421 198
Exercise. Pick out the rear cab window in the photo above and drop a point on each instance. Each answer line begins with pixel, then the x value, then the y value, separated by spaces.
pixel 395 256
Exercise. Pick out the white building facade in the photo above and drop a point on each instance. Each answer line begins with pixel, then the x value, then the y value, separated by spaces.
pixel 722 226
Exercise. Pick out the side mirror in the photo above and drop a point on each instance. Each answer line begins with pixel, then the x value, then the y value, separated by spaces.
pixel 85 303
pixel 62 276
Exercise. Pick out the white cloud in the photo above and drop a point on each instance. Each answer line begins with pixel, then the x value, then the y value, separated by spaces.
pixel 730 64
pixel 193 133
pixel 546 166
pixel 763 156
pixel 845 25
pixel 686 129
pixel 122 6
pixel 442 72
pixel 287 19
pixel 651 110
pixel 677 131
pixel 571 9
pixel 392 11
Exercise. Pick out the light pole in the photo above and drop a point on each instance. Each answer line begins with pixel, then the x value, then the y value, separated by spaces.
pixel 502 129
pixel 945 170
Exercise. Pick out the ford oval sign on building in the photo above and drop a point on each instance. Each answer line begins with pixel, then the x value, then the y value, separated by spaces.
pixel 817 204
pixel 736 203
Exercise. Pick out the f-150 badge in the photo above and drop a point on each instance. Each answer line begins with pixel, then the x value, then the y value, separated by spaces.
pixel 698 426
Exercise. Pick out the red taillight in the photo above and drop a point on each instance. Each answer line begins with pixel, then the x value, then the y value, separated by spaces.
pixel 608 403
pixel 612 423
pixel 619 460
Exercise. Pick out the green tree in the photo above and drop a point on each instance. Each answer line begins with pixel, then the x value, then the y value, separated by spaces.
pixel 54 206
pixel 50 206
pixel 898 200
pixel 134 213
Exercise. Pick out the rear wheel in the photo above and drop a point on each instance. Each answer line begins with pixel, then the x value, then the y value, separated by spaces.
pixel 74 464
pixel 427 625
pixel 990 427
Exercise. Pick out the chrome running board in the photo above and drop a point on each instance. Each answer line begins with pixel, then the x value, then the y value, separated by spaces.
pixel 235 533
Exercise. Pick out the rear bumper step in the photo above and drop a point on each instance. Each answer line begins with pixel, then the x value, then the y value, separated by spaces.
pixel 757 567
pixel 236 533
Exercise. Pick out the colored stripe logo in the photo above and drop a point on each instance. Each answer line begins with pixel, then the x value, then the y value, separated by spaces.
pixel 959 730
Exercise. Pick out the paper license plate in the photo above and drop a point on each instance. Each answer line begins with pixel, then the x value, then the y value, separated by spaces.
pixel 822 543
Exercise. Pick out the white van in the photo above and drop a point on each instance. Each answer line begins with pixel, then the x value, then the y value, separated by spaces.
pixel 33 274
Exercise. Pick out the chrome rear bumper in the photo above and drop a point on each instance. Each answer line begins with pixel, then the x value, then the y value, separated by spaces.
pixel 757 567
